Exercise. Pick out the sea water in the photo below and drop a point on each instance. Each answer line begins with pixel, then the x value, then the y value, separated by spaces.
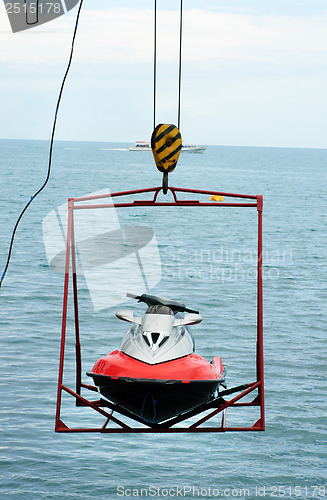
pixel 208 261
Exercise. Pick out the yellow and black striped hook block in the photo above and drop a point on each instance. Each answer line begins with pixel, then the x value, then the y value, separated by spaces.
pixel 166 145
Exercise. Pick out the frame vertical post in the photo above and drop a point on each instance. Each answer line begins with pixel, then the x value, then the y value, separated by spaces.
pixel 64 314
pixel 76 317
pixel 260 362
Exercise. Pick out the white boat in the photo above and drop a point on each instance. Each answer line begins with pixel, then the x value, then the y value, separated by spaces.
pixel 193 149
pixel 145 146
pixel 140 146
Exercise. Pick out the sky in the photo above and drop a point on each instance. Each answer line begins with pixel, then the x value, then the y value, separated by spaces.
pixel 254 73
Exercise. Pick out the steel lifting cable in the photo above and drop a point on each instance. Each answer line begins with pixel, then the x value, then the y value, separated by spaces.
pixel 179 65
pixel 51 145
pixel 155 65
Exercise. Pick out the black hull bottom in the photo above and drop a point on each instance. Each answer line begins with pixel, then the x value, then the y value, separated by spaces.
pixel 155 400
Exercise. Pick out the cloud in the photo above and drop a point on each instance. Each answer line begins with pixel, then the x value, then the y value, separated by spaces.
pixel 125 36
pixel 248 78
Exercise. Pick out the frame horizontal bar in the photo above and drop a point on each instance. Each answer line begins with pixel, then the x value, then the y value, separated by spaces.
pixel 168 430
pixel 150 203
pixel 157 189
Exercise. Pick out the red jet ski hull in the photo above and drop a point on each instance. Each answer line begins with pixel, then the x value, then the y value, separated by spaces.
pixel 157 392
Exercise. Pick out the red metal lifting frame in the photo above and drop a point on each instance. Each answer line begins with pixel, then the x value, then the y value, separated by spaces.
pixel 106 408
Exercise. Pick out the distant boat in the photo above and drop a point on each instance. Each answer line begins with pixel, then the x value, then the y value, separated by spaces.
pixel 193 149
pixel 140 146
pixel 145 146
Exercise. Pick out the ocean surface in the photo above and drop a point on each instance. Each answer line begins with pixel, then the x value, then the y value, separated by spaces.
pixel 208 262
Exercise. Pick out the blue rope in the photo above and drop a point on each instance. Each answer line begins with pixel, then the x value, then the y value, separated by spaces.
pixel 154 401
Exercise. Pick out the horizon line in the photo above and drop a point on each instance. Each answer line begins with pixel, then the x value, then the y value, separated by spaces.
pixel 132 142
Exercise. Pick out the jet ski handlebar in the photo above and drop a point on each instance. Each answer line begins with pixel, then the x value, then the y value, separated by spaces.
pixel 153 300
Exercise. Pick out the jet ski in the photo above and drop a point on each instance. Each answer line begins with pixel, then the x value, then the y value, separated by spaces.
pixel 156 374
